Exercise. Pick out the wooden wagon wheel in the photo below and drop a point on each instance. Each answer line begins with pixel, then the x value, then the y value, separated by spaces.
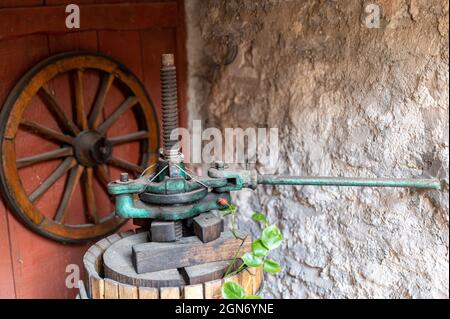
pixel 84 150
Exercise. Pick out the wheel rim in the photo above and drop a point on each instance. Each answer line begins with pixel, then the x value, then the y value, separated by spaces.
pixel 84 147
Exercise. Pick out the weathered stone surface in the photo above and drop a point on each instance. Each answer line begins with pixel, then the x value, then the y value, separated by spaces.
pixel 348 101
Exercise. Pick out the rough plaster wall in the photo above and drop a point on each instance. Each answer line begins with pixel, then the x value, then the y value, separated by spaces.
pixel 348 101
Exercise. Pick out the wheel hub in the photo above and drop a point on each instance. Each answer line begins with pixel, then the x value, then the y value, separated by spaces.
pixel 91 148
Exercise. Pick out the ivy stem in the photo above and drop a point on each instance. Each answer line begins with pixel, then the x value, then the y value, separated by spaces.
pixel 237 270
pixel 235 257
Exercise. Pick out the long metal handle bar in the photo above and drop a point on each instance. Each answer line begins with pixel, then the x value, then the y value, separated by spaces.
pixel 346 181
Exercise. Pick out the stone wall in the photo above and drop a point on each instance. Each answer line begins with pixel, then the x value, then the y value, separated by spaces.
pixel 348 101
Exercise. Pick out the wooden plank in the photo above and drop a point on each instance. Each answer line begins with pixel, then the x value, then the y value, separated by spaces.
pixel 166 231
pixel 207 227
pixel 73 41
pixel 97 287
pixel 21 3
pixel 111 289
pixel 6 267
pixel 193 292
pixel 247 279
pixel 94 17
pixel 154 43
pixel 127 291
pixel 188 251
pixel 169 293
pixel 212 289
pixel 33 277
pixel 205 272
pixel 182 64
pixel 234 278
pixel 118 266
pixel 125 47
pixel 148 293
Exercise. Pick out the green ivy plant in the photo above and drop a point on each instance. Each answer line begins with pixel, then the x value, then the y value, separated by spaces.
pixel 270 239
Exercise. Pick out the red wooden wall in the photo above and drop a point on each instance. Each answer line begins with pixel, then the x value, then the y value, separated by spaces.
pixel 133 32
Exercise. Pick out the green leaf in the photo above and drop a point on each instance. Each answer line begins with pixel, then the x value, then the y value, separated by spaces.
pixel 271 266
pixel 252 297
pixel 271 237
pixel 251 260
pixel 259 217
pixel 259 250
pixel 232 290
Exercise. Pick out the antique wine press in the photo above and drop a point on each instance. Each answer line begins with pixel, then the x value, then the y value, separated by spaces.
pixel 179 203
pixel 174 194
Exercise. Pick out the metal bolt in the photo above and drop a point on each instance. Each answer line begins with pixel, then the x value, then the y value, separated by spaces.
pixel 124 177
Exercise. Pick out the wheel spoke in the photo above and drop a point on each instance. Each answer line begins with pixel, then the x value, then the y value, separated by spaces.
pixel 57 111
pixel 103 175
pixel 72 182
pixel 79 101
pixel 67 164
pixel 132 137
pixel 94 119
pixel 31 160
pixel 46 132
pixel 121 163
pixel 89 194
pixel 127 104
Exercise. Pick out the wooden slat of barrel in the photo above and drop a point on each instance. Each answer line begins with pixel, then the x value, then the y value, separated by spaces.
pixel 127 291
pixel 97 287
pixel 97 253
pixel 148 293
pixel 111 289
pixel 89 261
pixel 103 244
pixel 193 292
pixel 247 281
pixel 236 278
pixel 213 289
pixel 169 293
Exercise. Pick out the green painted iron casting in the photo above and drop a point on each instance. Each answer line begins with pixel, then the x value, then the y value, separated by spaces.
pixel 129 207
pixel 346 181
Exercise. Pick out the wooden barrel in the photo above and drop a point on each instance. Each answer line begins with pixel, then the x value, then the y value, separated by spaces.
pixel 100 287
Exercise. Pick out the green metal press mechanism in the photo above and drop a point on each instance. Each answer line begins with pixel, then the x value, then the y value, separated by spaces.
pixel 172 193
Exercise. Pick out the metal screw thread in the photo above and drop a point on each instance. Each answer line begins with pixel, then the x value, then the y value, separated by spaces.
pixel 169 102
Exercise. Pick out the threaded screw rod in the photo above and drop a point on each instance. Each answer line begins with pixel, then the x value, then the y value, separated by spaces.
pixel 169 103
